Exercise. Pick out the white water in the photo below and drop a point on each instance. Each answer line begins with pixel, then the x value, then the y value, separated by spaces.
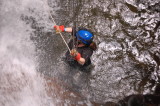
pixel 20 83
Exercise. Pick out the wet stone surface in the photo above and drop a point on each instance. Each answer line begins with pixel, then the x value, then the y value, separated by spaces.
pixel 127 33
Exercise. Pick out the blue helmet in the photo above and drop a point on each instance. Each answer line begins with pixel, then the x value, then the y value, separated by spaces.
pixel 85 36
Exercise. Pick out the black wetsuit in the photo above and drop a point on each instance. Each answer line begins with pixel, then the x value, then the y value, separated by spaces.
pixel 85 51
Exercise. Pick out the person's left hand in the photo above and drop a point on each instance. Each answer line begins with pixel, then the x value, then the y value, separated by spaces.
pixel 75 54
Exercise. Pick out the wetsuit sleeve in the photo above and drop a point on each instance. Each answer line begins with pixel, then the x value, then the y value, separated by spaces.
pixel 87 53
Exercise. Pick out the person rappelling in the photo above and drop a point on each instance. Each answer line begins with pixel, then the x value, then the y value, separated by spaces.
pixel 81 47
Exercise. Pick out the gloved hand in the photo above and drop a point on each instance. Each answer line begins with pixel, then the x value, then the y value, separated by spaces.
pixel 75 54
pixel 59 28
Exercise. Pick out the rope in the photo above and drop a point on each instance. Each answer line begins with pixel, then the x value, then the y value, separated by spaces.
pixel 56 24
pixel 73 33
pixel 75 20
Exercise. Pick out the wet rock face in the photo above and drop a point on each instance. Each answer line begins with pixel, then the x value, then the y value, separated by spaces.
pixel 127 33
pixel 142 100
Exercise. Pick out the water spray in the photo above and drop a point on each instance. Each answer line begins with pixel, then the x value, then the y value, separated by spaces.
pixel 56 24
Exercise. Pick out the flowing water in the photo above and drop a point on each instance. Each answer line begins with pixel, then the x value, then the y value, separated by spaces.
pixel 127 61
pixel 20 84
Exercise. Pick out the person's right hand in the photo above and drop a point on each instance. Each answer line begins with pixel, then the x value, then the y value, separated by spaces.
pixel 59 28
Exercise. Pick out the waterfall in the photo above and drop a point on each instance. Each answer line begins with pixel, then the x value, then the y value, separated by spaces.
pixel 20 83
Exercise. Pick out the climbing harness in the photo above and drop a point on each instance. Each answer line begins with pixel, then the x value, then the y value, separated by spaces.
pixel 56 24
